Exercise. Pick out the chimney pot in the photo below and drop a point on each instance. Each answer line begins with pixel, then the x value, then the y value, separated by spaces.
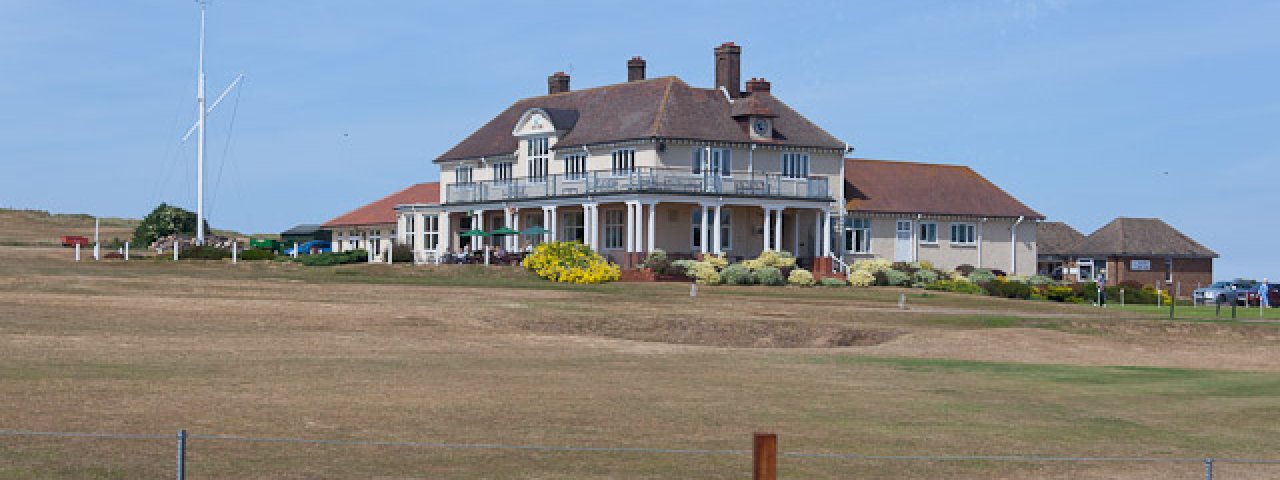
pixel 557 83
pixel 635 69
pixel 729 68
pixel 758 85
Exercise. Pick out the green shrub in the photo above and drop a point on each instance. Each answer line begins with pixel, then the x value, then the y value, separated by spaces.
pixel 872 266
pixel 965 269
pixel 800 277
pixel 203 252
pixel 1039 280
pixel 896 278
pixel 737 274
pixel 570 262
pixel 401 254
pixel 981 276
pixel 862 278
pixel 1061 294
pixel 257 254
pixel 906 267
pixel 1007 289
pixel 770 276
pixel 704 273
pixel 957 286
pixel 925 277
pixel 658 261
pixel 833 282
pixel 772 258
pixel 165 220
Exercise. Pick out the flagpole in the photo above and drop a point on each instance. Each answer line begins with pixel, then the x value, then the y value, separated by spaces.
pixel 200 141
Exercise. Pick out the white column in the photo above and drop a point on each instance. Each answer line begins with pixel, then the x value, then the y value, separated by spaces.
pixel 639 241
pixel 631 227
pixel 702 230
pixel 777 233
pixel 817 233
pixel 715 232
pixel 444 236
pixel 549 223
pixel 401 237
pixel 419 234
pixel 826 233
pixel 653 212
pixel 591 225
pixel 515 225
pixel 477 223
pixel 768 228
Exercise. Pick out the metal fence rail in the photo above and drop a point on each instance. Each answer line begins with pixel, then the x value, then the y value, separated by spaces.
pixel 183 437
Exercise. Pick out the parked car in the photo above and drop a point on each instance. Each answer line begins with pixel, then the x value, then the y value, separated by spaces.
pixel 1273 295
pixel 1246 292
pixel 314 246
pixel 1217 292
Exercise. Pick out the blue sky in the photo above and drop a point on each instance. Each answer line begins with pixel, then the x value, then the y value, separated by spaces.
pixel 1085 110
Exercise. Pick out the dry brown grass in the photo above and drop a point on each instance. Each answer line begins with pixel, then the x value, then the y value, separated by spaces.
pixel 397 353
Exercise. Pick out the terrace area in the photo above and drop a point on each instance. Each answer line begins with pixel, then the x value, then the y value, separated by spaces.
pixel 641 180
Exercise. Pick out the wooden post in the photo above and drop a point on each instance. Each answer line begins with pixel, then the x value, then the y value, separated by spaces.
pixel 764 456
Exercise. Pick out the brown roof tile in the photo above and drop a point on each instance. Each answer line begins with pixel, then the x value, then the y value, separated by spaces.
pixel 663 107
pixel 1056 238
pixel 882 186
pixel 1141 236
pixel 382 211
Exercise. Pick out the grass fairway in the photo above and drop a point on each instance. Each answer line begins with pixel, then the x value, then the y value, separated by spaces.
pixel 476 355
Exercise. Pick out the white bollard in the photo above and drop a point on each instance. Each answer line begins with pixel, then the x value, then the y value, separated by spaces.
pixel 234 244
pixel 175 250
pixel 295 249
pixel 126 251
pixel 902 301
pixel 77 252
pixel 693 289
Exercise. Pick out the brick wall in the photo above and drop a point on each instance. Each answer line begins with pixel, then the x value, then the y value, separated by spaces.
pixel 1190 272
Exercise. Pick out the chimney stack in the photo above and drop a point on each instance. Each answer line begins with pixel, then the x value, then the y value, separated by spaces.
pixel 635 69
pixel 729 68
pixel 557 83
pixel 758 85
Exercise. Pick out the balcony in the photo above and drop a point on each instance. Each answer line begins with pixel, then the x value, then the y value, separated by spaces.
pixel 641 180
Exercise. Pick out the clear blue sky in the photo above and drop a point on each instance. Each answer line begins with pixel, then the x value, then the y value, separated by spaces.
pixel 1085 110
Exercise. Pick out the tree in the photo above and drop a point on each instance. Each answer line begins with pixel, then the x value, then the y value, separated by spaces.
pixel 165 220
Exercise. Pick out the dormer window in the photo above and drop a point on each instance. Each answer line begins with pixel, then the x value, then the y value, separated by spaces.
pixel 539 152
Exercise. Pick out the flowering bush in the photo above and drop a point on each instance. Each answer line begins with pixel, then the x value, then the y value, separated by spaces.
pixel 704 272
pixel 924 277
pixel 957 286
pixel 570 262
pixel 718 261
pixel 800 277
pixel 862 278
pixel 872 266
pixel 771 258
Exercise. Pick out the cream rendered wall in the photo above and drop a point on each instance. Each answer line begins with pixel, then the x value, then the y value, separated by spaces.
pixel 763 160
pixel 996 250
pixel 675 227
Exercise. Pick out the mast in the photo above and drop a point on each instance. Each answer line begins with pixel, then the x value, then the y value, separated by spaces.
pixel 200 137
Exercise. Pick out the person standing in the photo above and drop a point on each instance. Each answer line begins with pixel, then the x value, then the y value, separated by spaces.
pixel 1264 291
pixel 1102 290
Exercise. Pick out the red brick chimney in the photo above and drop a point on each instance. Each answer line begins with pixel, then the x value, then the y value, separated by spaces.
pixel 557 83
pixel 635 69
pixel 758 85
pixel 729 68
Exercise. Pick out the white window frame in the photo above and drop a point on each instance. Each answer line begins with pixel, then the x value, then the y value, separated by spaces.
pixel 623 161
pixel 533 220
pixel 721 160
pixel 430 232
pixel 855 243
pixel 410 228
pixel 571 221
pixel 539 151
pixel 971 231
pixel 575 166
pixel 928 233
pixel 795 165
pixel 462 174
pixel 503 171
pixel 615 228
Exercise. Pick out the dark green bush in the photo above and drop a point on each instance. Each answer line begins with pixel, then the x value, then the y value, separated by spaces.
pixel 165 220
pixel 897 278
pixel 328 259
pixel 401 254
pixel 203 252
pixel 833 282
pixel 1007 289
pixel 257 254
pixel 957 286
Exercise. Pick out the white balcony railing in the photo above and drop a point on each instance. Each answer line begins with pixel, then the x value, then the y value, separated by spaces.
pixel 640 180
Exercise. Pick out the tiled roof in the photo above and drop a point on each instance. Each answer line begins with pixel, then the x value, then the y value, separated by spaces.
pixel 881 186
pixel 1141 236
pixel 383 210
pixel 1056 238
pixel 663 107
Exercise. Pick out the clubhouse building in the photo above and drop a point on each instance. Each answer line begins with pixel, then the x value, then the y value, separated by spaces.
pixel 654 163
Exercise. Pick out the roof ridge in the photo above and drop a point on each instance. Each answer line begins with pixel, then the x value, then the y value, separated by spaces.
pixel 601 87
pixel 662 107
pixel 907 162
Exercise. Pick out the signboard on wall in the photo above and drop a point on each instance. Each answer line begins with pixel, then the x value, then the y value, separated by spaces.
pixel 1140 265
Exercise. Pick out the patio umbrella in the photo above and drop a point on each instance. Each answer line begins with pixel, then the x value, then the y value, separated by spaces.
pixel 534 231
pixel 474 233
pixel 503 231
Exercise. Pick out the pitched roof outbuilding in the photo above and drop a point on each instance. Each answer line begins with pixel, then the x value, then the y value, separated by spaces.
pixel 1056 238
pixel 1140 236
pixel 663 107
pixel 383 210
pixel 881 186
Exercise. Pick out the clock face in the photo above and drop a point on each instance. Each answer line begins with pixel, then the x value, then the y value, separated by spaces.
pixel 761 126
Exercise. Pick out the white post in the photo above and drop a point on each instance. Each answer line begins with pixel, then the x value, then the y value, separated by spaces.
pixel 234 247
pixel 443 235
pixel 777 234
pixel 77 252
pixel 477 223
pixel 715 233
pixel 175 248
pixel 768 229
pixel 826 233
pixel 817 234
pixel 653 209
pixel 126 251
pixel 639 241
pixel 631 227
pixel 515 225
pixel 702 229
pixel 97 245
pixel 295 249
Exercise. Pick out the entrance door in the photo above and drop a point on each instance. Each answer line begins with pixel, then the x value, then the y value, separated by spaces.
pixel 902 247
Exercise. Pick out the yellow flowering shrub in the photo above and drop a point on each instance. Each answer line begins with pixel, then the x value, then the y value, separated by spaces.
pixel 861 278
pixel 873 266
pixel 772 258
pixel 570 262
pixel 800 277
pixel 704 272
